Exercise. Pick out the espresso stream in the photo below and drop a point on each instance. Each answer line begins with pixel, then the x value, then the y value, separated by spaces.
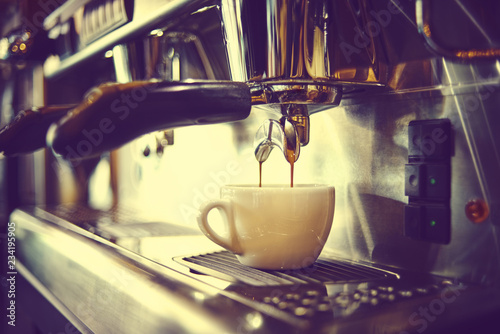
pixel 290 157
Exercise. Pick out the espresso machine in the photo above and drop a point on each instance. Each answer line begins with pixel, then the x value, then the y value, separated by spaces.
pixel 148 108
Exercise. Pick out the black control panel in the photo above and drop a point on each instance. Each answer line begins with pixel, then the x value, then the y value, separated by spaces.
pixel 428 180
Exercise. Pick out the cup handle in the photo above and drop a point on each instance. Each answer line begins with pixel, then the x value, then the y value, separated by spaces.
pixel 226 209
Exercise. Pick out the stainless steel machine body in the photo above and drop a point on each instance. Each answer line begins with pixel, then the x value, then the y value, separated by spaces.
pixel 400 119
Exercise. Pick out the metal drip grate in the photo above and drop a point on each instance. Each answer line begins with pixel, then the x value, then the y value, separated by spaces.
pixel 224 265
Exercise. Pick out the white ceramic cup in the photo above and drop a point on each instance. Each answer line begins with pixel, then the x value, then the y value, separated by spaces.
pixel 274 226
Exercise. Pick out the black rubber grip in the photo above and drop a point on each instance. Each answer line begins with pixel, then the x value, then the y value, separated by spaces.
pixel 114 114
pixel 26 133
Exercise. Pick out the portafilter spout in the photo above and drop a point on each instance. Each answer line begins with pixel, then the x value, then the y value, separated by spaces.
pixel 288 134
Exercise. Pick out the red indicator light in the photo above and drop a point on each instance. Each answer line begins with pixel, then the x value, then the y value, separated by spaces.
pixel 477 210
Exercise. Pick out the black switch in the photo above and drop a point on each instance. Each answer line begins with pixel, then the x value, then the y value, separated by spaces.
pixel 429 139
pixel 437 181
pixel 413 217
pixel 413 180
pixel 427 181
pixel 436 223
pixel 429 222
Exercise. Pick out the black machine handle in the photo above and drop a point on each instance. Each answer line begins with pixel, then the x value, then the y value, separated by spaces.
pixel 114 114
pixel 26 133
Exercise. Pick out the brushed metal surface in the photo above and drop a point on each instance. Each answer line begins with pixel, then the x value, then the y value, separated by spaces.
pixel 102 287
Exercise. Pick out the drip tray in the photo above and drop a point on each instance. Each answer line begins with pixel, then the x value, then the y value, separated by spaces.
pixel 225 265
